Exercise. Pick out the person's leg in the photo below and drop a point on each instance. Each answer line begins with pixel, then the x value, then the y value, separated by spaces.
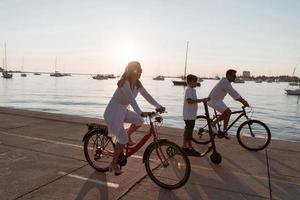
pixel 189 143
pixel 136 122
pixel 185 134
pixel 189 135
pixel 221 117
pixel 191 125
pixel 118 150
pixel 130 130
pixel 221 107
pixel 121 141
pixel 183 143
pixel 227 114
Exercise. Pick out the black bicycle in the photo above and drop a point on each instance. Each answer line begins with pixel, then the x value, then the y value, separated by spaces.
pixel 253 135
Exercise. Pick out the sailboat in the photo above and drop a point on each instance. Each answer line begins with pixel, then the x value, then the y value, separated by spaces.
pixel 296 83
pixel 5 73
pixel 159 78
pixel 183 82
pixel 100 77
pixel 293 92
pixel 56 73
pixel 23 74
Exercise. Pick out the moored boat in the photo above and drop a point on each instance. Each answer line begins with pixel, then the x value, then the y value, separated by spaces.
pixel 5 73
pixel 293 92
pixel 159 78
pixel 183 83
pixel 56 74
pixel 100 77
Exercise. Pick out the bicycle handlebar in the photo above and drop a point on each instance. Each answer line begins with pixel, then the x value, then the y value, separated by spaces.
pixel 154 113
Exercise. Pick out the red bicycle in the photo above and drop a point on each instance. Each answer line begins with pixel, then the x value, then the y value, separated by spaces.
pixel 166 164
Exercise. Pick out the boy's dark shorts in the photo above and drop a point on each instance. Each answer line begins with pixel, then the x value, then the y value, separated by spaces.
pixel 188 129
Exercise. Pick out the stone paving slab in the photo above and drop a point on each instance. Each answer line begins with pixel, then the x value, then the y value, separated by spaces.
pixel 41 157
pixel 23 171
pixel 87 183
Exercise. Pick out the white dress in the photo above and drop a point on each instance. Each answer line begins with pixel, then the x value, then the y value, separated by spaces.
pixel 116 112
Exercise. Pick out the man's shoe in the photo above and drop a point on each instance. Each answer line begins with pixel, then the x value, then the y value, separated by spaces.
pixel 226 136
pixel 223 135
pixel 193 152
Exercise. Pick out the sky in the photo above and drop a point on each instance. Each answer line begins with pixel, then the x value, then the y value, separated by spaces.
pixel 102 36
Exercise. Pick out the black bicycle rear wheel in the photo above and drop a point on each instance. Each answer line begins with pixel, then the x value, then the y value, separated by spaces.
pixel 253 135
pixel 201 134
pixel 98 150
pixel 174 169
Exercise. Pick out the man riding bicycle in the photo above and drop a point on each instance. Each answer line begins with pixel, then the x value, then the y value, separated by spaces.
pixel 221 89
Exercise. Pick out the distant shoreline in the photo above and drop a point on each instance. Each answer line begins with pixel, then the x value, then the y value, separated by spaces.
pixel 280 78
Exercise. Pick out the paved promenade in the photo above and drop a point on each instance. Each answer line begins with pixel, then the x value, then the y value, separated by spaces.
pixel 41 157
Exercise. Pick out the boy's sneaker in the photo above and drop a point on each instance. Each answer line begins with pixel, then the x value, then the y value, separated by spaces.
pixel 214 129
pixel 193 152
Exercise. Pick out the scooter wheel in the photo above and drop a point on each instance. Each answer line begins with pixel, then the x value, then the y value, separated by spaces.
pixel 216 158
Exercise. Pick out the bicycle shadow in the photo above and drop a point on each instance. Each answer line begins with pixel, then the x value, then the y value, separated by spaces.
pixel 188 191
pixel 239 183
pixel 88 186
pixel 167 194
pixel 220 181
pixel 282 185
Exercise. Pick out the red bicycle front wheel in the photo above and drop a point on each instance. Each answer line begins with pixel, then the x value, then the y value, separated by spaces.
pixel 167 165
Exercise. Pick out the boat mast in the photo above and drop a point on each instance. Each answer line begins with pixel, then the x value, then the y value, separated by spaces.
pixel 5 59
pixel 55 63
pixel 186 54
pixel 22 67
pixel 296 66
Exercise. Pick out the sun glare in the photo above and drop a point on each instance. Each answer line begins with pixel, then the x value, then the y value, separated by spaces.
pixel 127 52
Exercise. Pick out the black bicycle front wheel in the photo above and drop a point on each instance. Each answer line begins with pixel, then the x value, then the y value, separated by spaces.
pixel 98 150
pixel 253 135
pixel 200 133
pixel 167 165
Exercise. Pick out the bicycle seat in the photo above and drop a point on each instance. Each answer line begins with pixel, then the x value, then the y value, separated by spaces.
pixel 101 127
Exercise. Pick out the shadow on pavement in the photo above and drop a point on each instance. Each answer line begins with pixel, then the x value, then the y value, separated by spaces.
pixel 88 186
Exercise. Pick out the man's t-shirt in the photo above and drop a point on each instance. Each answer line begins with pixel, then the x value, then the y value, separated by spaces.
pixel 222 89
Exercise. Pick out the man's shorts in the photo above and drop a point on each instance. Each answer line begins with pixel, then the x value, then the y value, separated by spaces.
pixel 218 105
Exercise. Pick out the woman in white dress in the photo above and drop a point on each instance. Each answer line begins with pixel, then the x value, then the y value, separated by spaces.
pixel 117 112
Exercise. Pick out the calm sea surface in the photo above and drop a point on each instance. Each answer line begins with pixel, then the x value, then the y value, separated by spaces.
pixel 84 96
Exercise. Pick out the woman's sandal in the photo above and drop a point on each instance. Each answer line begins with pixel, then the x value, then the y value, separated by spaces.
pixel 116 172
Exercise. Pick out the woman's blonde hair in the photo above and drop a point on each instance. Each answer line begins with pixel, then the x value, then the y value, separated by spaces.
pixel 131 68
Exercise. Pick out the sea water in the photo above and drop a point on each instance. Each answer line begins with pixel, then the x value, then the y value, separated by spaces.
pixel 81 95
